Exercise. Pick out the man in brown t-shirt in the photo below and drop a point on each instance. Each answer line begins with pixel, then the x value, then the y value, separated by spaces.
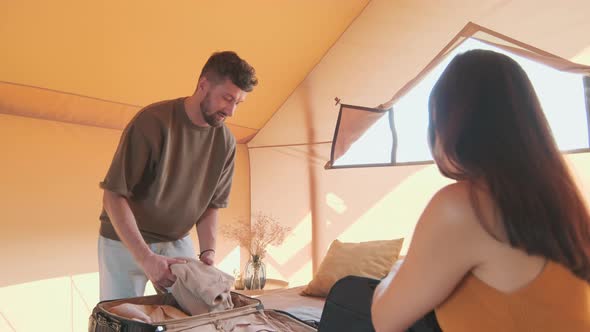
pixel 172 169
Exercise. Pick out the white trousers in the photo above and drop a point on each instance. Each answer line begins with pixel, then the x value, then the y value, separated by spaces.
pixel 120 276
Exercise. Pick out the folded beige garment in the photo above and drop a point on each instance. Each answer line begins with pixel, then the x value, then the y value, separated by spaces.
pixel 201 288
pixel 148 313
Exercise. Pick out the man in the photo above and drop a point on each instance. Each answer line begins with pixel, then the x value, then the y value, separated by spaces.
pixel 172 169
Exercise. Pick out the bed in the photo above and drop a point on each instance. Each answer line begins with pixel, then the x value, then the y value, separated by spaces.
pixel 306 308
pixel 372 259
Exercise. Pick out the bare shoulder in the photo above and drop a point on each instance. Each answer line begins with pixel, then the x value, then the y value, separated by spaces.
pixel 451 217
pixel 453 205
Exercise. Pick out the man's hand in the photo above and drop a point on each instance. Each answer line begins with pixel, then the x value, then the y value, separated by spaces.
pixel 157 269
pixel 208 257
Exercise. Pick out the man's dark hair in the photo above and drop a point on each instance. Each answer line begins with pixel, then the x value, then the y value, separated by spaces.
pixel 228 65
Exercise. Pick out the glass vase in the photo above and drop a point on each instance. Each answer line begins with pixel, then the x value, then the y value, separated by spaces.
pixel 255 273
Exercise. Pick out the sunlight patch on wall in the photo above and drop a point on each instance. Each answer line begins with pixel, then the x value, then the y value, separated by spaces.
pixel 4 324
pixel 298 238
pixel 81 310
pixel 47 301
pixel 86 287
pixel 336 203
pixel 273 272
pixel 230 262
pixel 302 276
pixel 583 57
pixel 396 214
pixel 298 278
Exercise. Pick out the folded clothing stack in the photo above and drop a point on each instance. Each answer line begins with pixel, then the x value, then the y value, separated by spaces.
pixel 201 288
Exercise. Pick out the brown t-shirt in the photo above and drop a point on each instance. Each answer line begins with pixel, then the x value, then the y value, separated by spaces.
pixel 170 171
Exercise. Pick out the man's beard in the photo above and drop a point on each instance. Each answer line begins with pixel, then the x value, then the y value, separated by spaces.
pixel 210 116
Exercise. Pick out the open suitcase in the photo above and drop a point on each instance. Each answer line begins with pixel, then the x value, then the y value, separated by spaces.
pixel 247 315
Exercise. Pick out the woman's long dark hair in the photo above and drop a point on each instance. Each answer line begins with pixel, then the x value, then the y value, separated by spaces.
pixel 491 128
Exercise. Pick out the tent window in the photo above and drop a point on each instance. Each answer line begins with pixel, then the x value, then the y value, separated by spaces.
pixel 376 144
pixel 564 97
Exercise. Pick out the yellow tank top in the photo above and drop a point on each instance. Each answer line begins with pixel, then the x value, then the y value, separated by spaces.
pixel 556 300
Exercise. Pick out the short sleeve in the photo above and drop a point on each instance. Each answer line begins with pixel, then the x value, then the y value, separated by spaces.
pixel 221 196
pixel 130 165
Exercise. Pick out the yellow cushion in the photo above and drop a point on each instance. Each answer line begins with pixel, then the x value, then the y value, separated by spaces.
pixel 372 259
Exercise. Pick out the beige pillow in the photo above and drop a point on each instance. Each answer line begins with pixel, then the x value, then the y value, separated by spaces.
pixel 372 259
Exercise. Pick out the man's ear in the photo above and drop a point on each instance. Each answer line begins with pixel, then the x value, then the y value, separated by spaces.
pixel 203 84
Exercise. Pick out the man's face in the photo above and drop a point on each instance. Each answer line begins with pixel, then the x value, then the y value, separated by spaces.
pixel 221 101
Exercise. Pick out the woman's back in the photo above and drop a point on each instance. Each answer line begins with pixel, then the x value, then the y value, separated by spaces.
pixel 501 266
pixel 510 290
pixel 556 300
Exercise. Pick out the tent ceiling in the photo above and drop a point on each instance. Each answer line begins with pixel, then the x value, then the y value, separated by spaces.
pixel 137 52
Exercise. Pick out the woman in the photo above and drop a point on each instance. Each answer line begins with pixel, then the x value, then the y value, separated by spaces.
pixel 506 247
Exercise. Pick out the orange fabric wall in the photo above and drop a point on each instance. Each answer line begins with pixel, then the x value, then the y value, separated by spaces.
pixel 50 197
pixel 281 185
pixel 139 52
